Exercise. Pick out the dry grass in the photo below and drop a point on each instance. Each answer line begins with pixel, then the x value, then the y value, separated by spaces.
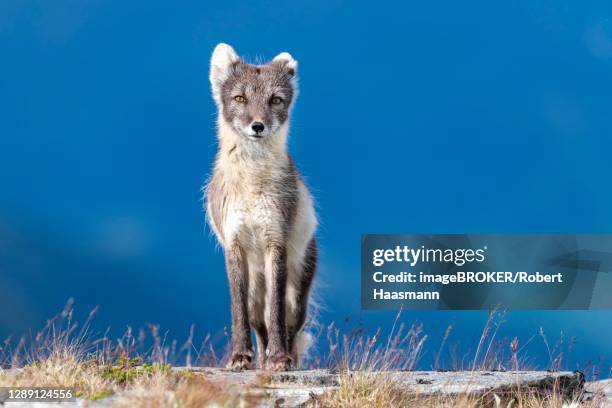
pixel 62 369
pixel 135 369
pixel 364 362
pixel 360 390
pixel 177 390
pixel 135 386
pixel 66 355
pixel 378 390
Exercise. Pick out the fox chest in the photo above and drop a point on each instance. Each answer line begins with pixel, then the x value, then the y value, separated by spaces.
pixel 252 218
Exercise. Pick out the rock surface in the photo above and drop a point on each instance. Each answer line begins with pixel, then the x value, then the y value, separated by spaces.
pixel 600 391
pixel 298 388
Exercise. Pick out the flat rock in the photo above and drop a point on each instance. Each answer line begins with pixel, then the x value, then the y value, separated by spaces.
pixel 600 391
pixel 282 389
pixel 297 388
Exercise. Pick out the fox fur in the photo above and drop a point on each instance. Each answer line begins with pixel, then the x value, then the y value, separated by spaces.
pixel 260 209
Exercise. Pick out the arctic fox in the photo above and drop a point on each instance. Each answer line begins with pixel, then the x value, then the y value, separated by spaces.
pixel 260 208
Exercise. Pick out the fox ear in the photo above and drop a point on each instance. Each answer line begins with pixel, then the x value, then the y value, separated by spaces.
pixel 223 59
pixel 289 62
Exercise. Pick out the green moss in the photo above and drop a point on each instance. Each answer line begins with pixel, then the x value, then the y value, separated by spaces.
pixel 186 375
pixel 98 395
pixel 126 369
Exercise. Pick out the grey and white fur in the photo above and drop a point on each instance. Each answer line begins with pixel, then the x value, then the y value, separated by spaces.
pixel 260 209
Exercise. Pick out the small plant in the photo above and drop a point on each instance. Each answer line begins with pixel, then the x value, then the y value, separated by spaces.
pixel 128 369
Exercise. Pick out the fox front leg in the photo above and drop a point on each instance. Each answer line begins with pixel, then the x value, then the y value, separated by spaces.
pixel 276 274
pixel 242 347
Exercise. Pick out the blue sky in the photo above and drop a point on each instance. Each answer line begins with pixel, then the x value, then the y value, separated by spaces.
pixel 412 117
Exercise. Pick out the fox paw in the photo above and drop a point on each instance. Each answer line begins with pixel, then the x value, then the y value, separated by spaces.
pixel 241 361
pixel 279 362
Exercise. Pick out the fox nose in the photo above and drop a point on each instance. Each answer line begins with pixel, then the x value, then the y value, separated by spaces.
pixel 258 127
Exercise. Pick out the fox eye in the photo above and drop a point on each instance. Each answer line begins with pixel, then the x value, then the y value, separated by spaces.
pixel 276 100
pixel 240 99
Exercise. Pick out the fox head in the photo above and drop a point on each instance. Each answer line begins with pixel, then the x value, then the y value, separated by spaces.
pixel 253 100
